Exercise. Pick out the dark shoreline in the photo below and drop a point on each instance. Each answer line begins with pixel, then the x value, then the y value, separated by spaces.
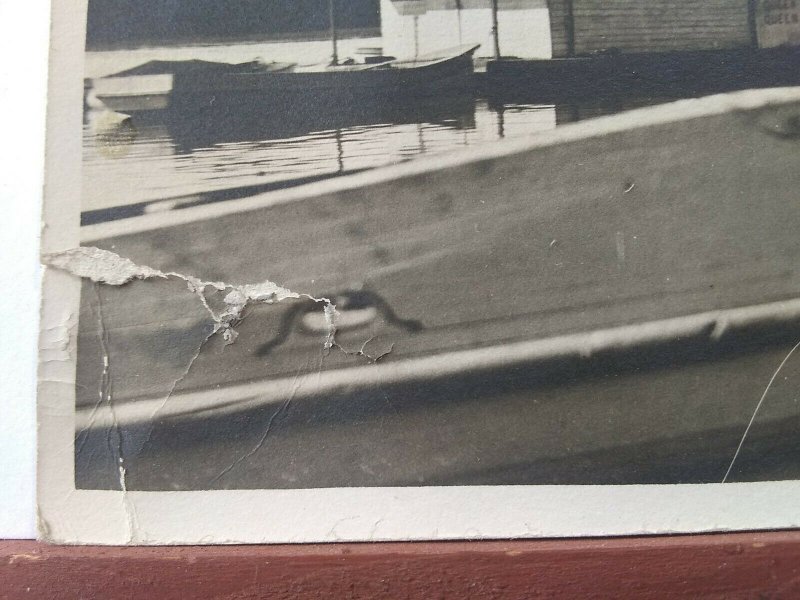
pixel 306 36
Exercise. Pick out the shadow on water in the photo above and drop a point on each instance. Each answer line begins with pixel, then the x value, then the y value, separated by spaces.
pixel 250 117
pixel 234 145
pixel 245 118
pixel 241 145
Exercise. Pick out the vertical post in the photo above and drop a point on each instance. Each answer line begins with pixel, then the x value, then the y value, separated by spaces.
pixel 501 121
pixel 339 150
pixel 752 21
pixel 569 28
pixel 416 37
pixel 495 29
pixel 332 16
pixel 458 14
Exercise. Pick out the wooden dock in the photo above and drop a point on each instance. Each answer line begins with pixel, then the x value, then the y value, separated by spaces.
pixel 667 74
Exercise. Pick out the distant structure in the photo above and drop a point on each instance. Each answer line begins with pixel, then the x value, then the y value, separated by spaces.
pixel 581 27
pixel 535 29
pixel 416 27
pixel 563 28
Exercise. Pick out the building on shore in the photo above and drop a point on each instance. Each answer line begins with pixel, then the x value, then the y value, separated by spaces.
pixel 417 27
pixel 561 28
pixel 536 29
pixel 580 27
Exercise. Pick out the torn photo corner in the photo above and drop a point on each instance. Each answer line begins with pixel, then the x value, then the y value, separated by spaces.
pixel 397 285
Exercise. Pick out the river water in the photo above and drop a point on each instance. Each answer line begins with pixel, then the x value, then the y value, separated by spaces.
pixel 160 160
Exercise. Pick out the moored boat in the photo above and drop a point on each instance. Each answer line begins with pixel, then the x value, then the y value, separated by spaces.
pixel 159 85
pixel 600 304
pixel 151 85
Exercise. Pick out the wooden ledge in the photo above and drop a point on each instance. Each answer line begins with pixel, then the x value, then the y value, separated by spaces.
pixel 741 565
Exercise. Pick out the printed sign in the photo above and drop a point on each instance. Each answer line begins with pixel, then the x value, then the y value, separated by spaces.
pixel 778 23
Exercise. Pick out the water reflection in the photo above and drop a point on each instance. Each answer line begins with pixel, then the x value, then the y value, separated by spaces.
pixel 250 119
pixel 195 154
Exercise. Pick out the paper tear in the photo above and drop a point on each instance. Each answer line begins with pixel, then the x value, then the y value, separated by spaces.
pixel 281 409
pixel 54 341
pixel 104 266
pixel 43 525
pixel 755 412
pixel 363 351
pixel 99 265
pixel 127 504
pixel 330 321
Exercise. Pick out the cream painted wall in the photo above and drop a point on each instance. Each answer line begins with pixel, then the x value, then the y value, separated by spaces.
pixel 524 32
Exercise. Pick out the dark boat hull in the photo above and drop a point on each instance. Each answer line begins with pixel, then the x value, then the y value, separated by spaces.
pixel 284 90
pixel 478 272
pixel 314 92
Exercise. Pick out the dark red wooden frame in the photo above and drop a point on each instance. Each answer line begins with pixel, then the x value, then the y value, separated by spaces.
pixel 740 565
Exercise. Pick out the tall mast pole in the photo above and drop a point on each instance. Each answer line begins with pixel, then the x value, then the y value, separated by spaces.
pixel 332 16
pixel 495 30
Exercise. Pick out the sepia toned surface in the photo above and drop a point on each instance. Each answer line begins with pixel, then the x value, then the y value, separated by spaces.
pixel 320 279
pixel 496 252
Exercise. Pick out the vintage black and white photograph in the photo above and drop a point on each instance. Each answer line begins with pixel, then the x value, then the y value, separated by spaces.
pixel 325 250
